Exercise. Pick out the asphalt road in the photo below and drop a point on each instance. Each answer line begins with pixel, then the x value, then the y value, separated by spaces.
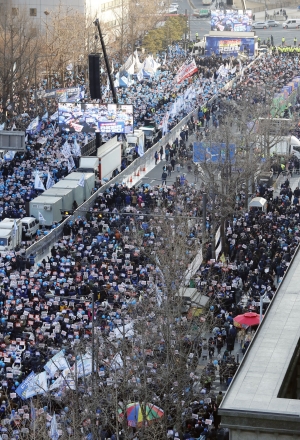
pixel 202 25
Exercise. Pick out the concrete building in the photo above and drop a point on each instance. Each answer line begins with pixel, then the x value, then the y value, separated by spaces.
pixel 262 401
pixel 40 10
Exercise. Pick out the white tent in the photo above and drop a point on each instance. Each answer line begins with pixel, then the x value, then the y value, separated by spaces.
pixel 259 202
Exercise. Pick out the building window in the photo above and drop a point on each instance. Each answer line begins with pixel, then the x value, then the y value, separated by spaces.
pixel 15 11
pixel 32 12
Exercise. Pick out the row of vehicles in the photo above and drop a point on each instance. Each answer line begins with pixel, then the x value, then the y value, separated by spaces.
pixel 288 24
pixel 13 231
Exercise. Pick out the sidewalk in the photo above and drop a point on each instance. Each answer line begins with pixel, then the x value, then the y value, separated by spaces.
pixel 292 12
pixel 216 386
pixel 153 177
pixel 294 182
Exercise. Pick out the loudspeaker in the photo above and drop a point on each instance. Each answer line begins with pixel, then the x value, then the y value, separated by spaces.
pixel 98 139
pixel 94 76
pixel 229 2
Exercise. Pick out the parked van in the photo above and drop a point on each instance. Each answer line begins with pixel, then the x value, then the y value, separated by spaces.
pixel 291 24
pixel 29 226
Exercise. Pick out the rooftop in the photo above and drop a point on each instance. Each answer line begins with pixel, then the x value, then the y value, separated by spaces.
pixel 257 383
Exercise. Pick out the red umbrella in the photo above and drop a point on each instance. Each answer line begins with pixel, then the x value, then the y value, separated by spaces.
pixel 247 320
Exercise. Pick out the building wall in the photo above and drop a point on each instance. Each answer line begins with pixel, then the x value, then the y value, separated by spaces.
pixel 40 6
pixel 105 10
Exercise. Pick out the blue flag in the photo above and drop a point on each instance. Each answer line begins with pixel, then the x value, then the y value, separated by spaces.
pixel 25 385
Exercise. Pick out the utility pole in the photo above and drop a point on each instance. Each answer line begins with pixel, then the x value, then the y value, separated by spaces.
pixel 186 29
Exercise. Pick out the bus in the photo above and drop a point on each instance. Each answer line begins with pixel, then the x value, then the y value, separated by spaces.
pixel 206 2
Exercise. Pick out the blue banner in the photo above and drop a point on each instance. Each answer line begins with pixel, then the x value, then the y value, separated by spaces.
pixel 213 153
pixel 228 46
pixel 25 385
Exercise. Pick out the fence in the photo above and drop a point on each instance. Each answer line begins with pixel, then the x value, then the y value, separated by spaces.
pixel 89 148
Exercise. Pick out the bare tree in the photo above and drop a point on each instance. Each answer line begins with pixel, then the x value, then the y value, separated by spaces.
pixel 19 45
pixel 150 356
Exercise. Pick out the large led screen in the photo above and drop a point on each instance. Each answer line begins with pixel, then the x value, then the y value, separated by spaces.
pixel 226 46
pixel 107 118
pixel 231 20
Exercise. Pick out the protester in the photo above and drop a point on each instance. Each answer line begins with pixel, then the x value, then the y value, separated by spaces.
pixel 98 255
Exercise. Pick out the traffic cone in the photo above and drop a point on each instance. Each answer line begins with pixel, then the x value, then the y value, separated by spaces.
pixel 138 172
pixel 130 180
pixel 144 168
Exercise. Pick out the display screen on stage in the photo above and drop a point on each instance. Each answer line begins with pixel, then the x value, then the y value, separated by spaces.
pixel 231 20
pixel 106 118
pixel 228 47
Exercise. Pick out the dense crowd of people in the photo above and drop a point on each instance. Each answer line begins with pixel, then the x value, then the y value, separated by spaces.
pixel 107 265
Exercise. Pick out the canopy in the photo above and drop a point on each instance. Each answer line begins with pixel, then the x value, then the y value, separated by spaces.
pixel 258 202
pixel 247 320
pixel 139 414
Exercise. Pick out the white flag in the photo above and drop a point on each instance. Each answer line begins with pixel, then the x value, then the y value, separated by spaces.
pixel 41 218
pixel 66 150
pixel 165 123
pixel 81 181
pixel 77 149
pixel 50 181
pixel 54 428
pixel 140 75
pixel 86 140
pixel 15 228
pixel 13 127
pixel 38 184
pixel 71 163
pixel 9 155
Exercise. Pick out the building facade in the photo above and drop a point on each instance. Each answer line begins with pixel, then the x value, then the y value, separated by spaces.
pixel 40 10
pixel 263 400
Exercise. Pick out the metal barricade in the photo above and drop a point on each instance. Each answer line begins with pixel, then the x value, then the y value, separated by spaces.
pixel 89 149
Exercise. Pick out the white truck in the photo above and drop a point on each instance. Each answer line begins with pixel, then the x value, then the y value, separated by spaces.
pixel 287 145
pixel 10 233
pixel 133 139
pixel 110 158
